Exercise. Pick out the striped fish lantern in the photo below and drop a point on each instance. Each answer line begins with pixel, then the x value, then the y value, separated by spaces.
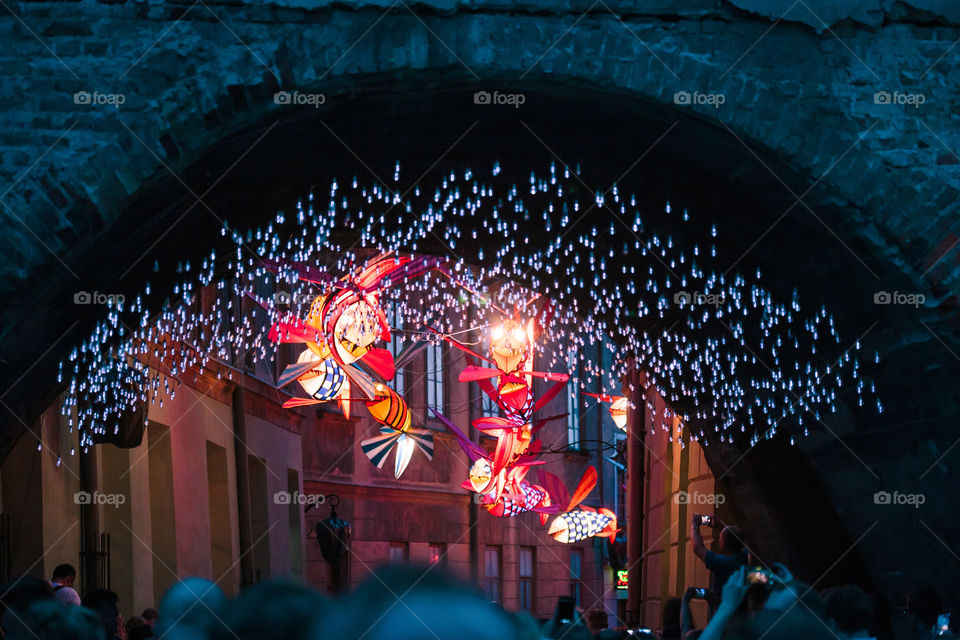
pixel 390 410
pixel 575 526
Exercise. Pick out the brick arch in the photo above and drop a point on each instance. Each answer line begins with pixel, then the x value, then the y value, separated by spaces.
pixel 190 76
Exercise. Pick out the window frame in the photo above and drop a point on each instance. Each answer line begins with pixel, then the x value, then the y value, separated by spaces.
pixel 527 584
pixel 493 582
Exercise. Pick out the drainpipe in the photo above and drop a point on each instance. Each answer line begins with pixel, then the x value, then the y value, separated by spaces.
pixel 636 431
pixel 243 486
pixel 90 521
pixel 473 515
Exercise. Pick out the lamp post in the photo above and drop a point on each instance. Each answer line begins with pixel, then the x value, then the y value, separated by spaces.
pixel 333 535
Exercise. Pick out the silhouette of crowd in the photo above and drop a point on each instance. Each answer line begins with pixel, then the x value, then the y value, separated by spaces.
pixel 404 602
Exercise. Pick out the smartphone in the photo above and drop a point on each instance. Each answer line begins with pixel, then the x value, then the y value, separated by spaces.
pixel 706 521
pixel 943 624
pixel 565 609
pixel 700 593
pixel 759 575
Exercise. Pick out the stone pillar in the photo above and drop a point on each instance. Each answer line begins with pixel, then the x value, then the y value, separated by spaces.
pixel 245 530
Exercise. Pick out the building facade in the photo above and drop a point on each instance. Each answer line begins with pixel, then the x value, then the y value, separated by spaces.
pixel 224 483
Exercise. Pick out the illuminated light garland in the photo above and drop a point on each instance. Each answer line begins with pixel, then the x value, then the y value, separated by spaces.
pixel 620 282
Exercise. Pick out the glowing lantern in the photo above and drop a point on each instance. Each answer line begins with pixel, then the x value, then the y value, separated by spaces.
pixel 390 410
pixel 575 526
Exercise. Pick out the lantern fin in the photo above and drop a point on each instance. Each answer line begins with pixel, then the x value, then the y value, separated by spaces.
pixel 292 332
pixel 411 350
pixel 300 402
pixel 472 373
pixel 584 487
pixel 473 451
pixel 381 361
pixel 491 422
pixel 555 489
pixel 293 371
pixel 551 393
pixel 345 398
pixel 361 380
pixel 377 447
pixel 423 438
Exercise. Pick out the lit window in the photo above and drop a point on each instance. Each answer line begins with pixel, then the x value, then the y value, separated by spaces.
pixel 526 579
pixel 435 376
pixel 576 573
pixel 399 552
pixel 395 320
pixel 438 554
pixel 492 573
pixel 573 404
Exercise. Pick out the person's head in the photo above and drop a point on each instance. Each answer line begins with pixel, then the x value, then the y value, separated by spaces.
pixel 597 620
pixel 134 622
pixel 143 632
pixel 48 619
pixel 785 596
pixel 924 605
pixel 193 604
pixel 65 574
pixel 104 603
pixel 731 540
pixel 273 609
pixel 795 624
pixel 19 596
pixel 671 613
pixel 405 602
pixel 149 616
pixel 851 611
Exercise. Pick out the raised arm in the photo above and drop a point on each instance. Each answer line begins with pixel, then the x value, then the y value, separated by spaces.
pixel 686 616
pixel 696 539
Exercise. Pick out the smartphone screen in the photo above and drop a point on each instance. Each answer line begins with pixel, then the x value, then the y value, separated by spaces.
pixel 701 593
pixel 758 576
pixel 943 623
pixel 565 607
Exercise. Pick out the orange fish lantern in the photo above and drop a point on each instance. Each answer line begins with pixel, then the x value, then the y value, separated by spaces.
pixel 510 344
pixel 618 408
pixel 390 410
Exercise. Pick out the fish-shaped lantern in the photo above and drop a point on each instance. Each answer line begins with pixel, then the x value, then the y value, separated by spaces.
pixel 584 523
pixel 390 410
